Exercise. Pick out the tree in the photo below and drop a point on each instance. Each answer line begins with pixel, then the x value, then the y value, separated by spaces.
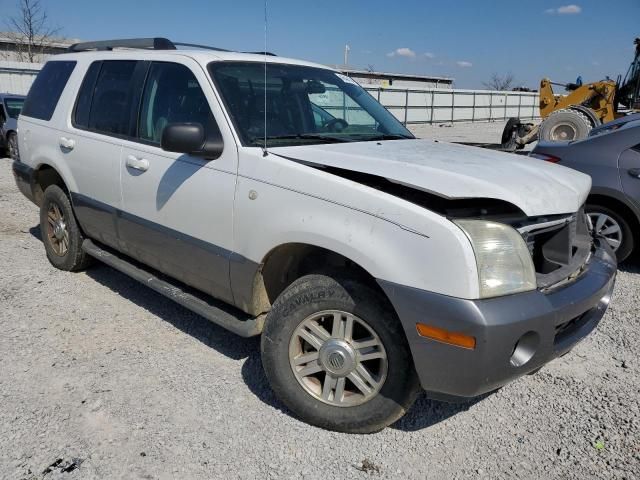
pixel 31 31
pixel 500 82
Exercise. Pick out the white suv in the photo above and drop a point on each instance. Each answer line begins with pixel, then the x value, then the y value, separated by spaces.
pixel 276 197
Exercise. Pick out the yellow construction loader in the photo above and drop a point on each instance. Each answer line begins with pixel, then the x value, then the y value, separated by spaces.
pixel 572 116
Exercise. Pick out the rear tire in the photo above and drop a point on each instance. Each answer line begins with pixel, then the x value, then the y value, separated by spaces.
pixel 60 232
pixel 12 146
pixel 614 227
pixel 327 397
pixel 565 125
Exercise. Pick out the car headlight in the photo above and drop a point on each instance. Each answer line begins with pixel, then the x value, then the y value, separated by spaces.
pixel 502 257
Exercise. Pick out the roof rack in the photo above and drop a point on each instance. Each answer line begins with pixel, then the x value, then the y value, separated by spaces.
pixel 262 53
pixel 156 43
pixel 139 43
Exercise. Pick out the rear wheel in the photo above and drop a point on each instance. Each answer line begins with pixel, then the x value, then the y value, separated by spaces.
pixel 12 146
pixel 564 126
pixel 337 356
pixel 614 228
pixel 60 232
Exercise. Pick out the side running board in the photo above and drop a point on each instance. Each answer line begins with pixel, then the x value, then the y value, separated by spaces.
pixel 217 312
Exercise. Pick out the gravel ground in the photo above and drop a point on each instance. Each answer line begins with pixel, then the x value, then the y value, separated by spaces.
pixel 102 378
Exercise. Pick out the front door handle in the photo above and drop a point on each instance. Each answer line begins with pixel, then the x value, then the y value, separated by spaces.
pixel 141 164
pixel 67 143
pixel 634 172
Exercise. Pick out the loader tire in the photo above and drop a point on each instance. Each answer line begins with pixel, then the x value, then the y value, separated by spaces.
pixel 565 126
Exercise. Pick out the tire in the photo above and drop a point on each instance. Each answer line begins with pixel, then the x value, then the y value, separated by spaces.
pixel 621 241
pixel 509 134
pixel 60 232
pixel 565 125
pixel 12 146
pixel 330 297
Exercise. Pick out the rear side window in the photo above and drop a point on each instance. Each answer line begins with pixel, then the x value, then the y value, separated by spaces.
pixel 83 103
pixel 46 89
pixel 110 108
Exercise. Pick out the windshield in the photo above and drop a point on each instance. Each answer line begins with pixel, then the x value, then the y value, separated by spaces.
pixel 13 106
pixel 304 105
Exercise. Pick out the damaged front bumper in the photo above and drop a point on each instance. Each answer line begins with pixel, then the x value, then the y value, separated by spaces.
pixel 515 334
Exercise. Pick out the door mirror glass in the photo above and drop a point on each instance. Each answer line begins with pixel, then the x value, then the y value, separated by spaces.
pixel 190 138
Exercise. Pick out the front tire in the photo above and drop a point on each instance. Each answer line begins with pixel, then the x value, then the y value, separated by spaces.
pixel 335 353
pixel 60 232
pixel 564 126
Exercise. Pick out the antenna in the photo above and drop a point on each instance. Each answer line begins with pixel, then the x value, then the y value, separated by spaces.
pixel 265 152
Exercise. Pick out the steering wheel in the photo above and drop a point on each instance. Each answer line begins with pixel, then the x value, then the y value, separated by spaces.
pixel 335 125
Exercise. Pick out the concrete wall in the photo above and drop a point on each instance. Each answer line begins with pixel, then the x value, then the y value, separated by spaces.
pixel 17 77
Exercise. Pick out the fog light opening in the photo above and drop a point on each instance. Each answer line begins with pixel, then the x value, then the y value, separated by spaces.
pixel 525 349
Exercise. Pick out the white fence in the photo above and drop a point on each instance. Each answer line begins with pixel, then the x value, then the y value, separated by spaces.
pixel 449 105
pixel 410 106
pixel 17 77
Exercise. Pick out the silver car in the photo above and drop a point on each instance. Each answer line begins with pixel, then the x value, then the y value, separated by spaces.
pixel 611 155
pixel 10 108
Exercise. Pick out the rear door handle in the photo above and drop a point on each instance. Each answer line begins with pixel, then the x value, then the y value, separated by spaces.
pixel 140 164
pixel 634 172
pixel 67 143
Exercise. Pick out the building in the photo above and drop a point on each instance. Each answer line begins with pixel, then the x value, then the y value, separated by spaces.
pixel 397 80
pixel 15 48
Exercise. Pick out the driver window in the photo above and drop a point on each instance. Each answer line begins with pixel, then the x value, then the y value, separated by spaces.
pixel 171 95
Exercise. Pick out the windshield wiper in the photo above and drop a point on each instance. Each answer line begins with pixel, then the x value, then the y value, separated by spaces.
pixel 301 136
pixel 390 136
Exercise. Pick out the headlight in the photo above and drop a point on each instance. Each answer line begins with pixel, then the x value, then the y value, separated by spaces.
pixel 502 257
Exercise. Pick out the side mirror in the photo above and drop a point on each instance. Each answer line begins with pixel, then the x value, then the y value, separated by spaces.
pixel 190 138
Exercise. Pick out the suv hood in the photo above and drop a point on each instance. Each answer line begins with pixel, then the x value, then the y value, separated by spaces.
pixel 456 171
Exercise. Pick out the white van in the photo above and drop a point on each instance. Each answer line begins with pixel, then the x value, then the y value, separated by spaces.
pixel 276 197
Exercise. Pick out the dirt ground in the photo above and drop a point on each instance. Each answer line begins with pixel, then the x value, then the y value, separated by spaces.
pixel 101 378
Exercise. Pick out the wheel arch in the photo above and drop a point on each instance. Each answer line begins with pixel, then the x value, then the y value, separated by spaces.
pixel 45 175
pixel 286 263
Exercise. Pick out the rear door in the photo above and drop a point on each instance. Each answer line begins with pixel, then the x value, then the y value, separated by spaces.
pixel 177 209
pixel 100 119
pixel 629 165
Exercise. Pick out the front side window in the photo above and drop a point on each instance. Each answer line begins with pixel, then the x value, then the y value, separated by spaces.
pixel 304 105
pixel 13 106
pixel 110 110
pixel 171 95
pixel 46 89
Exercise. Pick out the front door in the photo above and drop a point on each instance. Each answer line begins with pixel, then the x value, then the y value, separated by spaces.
pixel 178 209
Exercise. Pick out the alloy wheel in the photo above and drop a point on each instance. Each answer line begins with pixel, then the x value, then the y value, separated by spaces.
pixel 338 358
pixel 57 231
pixel 607 227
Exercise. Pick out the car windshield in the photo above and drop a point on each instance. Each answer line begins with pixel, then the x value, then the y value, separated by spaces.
pixel 304 105
pixel 13 106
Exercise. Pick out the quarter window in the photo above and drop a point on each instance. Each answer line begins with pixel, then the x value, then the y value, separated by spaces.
pixel 83 103
pixel 172 95
pixel 46 89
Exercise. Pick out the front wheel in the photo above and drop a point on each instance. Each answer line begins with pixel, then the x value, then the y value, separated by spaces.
pixel 614 228
pixel 337 356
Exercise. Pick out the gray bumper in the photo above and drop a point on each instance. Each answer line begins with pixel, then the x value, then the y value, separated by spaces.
pixel 557 320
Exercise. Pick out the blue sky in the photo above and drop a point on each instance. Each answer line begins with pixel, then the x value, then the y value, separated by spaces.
pixel 464 39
